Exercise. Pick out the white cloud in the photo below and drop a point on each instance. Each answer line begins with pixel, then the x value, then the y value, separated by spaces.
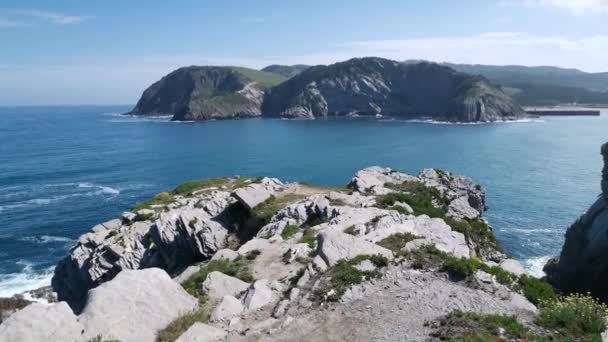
pixel 55 18
pixel 27 18
pixel 577 7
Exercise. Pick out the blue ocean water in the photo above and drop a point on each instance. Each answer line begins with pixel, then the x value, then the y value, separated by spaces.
pixel 62 170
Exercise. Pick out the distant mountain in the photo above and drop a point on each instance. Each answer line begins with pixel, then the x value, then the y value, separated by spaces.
pixel 370 86
pixel 288 71
pixel 544 85
pixel 207 92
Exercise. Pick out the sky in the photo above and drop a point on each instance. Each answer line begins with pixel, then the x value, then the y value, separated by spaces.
pixel 73 52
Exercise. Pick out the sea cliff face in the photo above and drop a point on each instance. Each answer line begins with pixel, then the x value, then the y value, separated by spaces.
pixel 360 86
pixel 371 86
pixel 581 266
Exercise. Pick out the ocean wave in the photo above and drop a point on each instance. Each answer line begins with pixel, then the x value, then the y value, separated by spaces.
pixel 84 189
pixel 44 239
pixel 534 266
pixel 439 122
pixel 118 117
pixel 27 279
pixel 532 230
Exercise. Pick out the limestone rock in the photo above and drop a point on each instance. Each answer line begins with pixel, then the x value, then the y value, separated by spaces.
pixel 225 253
pixel 228 308
pixel 217 285
pixel 258 295
pixel 460 207
pixel 335 245
pixel 512 266
pixel 135 305
pixel 39 322
pixel 252 195
pixel 200 332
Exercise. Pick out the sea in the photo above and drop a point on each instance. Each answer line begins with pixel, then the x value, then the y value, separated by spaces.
pixel 65 169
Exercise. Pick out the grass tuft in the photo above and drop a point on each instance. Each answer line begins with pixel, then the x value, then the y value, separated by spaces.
pixel 289 231
pixel 179 326
pixel 397 241
pixel 237 268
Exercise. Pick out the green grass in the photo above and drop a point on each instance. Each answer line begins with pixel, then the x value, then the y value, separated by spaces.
pixel 460 268
pixel 188 188
pixel 501 275
pixel 397 241
pixel 266 79
pixel 344 275
pixel 474 327
pixel 417 195
pixel 179 326
pixel 237 268
pixel 579 317
pixel 163 198
pixel 309 237
pixel 267 209
pixel 536 290
pixel 99 338
pixel 289 231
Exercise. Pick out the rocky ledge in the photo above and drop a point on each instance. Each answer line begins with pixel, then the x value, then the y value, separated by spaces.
pixel 390 257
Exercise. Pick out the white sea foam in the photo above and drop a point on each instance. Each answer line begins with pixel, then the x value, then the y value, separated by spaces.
pixel 534 266
pixel 27 279
pixel 438 122
pixel 103 189
pixel 44 239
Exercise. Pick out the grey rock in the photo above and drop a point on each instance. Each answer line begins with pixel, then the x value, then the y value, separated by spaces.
pixel 217 285
pixel 135 305
pixel 227 254
pixel 186 274
pixel 512 266
pixel 460 207
pixel 227 309
pixel 200 332
pixel 335 245
pixel 365 266
pixel 258 295
pixel 41 323
pixel 252 195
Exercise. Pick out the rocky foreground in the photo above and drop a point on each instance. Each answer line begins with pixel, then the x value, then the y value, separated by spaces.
pixel 360 86
pixel 391 257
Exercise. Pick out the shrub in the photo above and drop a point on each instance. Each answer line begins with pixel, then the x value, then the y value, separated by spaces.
pixel 501 275
pixel 536 290
pixel 466 326
pixel 476 231
pixel 426 256
pixel 378 260
pixel 460 268
pixel 351 230
pixel 579 317
pixel 344 275
pixel 188 188
pixel 179 326
pixel 252 255
pixel 397 241
pixel 237 268
pixel 267 209
pixel 289 231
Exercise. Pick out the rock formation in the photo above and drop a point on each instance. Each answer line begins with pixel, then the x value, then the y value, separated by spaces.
pixel 581 266
pixel 264 260
pixel 203 93
pixel 360 86
pixel 371 86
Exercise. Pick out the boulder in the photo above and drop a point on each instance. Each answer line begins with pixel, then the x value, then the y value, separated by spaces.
pixel 335 245
pixel 512 266
pixel 460 207
pixel 217 285
pixel 225 253
pixel 252 195
pixel 39 322
pixel 258 295
pixel 200 332
pixel 227 309
pixel 135 305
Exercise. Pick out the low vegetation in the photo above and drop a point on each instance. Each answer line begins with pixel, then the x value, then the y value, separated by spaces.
pixel 575 318
pixel 397 241
pixel 289 231
pixel 476 232
pixel 179 326
pixel 422 199
pixel 474 327
pixel 537 291
pixel 351 230
pixel 345 274
pixel 309 237
pixel 267 209
pixel 237 268
pixel 163 198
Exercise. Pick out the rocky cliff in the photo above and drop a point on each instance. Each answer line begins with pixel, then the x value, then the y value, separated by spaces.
pixel 371 86
pixel 581 266
pixel 390 257
pixel 203 93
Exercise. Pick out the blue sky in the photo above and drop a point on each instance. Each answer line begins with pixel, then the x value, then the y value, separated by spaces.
pixel 108 52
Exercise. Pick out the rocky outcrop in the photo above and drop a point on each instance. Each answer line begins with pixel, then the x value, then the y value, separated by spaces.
pixel 581 266
pixel 131 307
pixel 373 86
pixel 203 93
pixel 288 71
pixel 177 234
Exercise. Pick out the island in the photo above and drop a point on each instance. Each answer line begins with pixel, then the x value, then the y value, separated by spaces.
pixel 358 87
